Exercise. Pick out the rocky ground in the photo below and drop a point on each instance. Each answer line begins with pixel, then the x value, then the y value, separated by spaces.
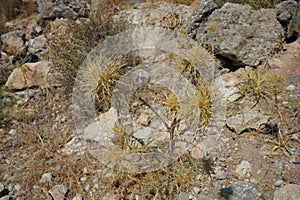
pixel 256 155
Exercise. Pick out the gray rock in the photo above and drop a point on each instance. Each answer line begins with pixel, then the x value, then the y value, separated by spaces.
pixel 241 35
pixel 37 44
pixel 196 190
pixel 278 183
pixel 249 119
pixel 56 9
pixel 183 196
pixel 292 78
pixel 12 42
pixel 294 25
pixel 285 11
pixel 58 192
pixel 290 87
pixel 221 174
pixel 202 197
pixel 78 197
pixel 200 15
pixel 243 168
pixel 46 178
pixel 6 197
pixel 288 192
pixel 241 190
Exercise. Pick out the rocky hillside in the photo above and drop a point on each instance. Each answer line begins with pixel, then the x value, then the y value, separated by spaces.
pixel 149 100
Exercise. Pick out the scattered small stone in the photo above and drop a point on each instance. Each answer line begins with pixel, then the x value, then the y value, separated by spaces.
pixel 58 192
pixel 17 187
pixel 77 197
pixel 196 190
pixel 290 87
pixel 87 187
pixel 46 178
pixel 12 132
pixel 220 174
pixel 83 179
pixel 288 192
pixel 243 168
pixel 278 183
pixel 183 196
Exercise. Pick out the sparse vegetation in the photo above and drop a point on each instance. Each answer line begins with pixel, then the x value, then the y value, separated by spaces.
pixel 255 85
pixel 69 48
pixel 11 9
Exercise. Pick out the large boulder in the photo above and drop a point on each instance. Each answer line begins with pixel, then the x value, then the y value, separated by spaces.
pixel 241 35
pixel 294 25
pixel 286 13
pixel 50 10
pixel 200 15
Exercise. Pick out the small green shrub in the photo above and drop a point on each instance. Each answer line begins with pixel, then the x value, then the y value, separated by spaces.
pixel 257 4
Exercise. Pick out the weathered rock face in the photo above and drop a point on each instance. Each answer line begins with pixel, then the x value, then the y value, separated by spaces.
pixel 286 13
pixel 159 15
pixel 294 25
pixel 288 192
pixel 13 42
pixel 66 9
pixel 29 75
pixel 241 35
pixel 200 15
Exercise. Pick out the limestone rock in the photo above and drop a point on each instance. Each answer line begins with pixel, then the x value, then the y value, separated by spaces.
pixel 243 168
pixel 241 35
pixel 58 192
pixel 29 75
pixel 294 25
pixel 249 119
pixel 288 192
pixel 13 42
pixel 200 15
pixel 241 190
pixel 287 14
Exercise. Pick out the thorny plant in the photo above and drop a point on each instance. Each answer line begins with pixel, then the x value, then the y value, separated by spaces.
pixel 255 85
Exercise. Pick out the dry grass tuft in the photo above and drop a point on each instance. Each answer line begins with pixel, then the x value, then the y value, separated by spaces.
pixel 255 85
pixel 67 50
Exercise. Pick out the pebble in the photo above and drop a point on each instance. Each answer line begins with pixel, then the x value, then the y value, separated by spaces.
pixel 58 192
pixel 77 197
pixel 83 179
pixel 195 190
pixel 290 87
pixel 220 174
pixel 12 132
pixel 183 196
pixel 278 183
pixel 46 178
pixel 17 187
